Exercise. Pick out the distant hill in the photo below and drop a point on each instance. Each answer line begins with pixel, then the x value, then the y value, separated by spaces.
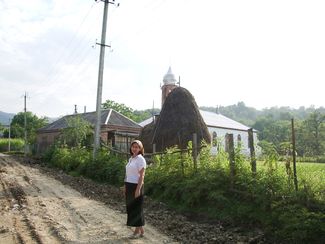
pixel 4 118
pixel 248 115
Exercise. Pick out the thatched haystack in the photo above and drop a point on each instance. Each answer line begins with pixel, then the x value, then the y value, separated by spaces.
pixel 146 135
pixel 179 119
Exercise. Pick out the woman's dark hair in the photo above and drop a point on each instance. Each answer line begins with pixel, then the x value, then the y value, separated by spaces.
pixel 139 143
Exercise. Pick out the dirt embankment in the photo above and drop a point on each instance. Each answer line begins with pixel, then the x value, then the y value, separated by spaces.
pixel 44 205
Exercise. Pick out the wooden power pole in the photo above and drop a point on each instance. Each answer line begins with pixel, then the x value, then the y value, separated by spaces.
pixel 25 125
pixel 100 77
pixel 294 154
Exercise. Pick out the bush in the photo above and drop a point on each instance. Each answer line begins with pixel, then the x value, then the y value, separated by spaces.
pixel 267 199
pixel 106 168
pixel 292 223
pixel 15 144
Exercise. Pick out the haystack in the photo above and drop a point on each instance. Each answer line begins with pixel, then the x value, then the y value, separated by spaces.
pixel 179 119
pixel 146 135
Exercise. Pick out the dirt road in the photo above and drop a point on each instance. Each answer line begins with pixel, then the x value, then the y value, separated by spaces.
pixel 36 208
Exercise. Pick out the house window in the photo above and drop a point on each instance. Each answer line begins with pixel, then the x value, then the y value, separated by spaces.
pixel 238 140
pixel 214 139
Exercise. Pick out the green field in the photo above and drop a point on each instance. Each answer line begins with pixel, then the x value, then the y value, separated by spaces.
pixel 309 175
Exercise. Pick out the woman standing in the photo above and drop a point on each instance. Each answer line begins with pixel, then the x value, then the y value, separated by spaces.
pixel 134 179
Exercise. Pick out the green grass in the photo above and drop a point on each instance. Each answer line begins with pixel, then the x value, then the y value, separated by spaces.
pixel 310 176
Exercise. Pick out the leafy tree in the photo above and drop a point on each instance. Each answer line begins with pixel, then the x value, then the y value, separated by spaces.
pixel 78 132
pixel 273 131
pixel 33 123
pixel 135 115
pixel 119 107
pixel 141 115
pixel 312 134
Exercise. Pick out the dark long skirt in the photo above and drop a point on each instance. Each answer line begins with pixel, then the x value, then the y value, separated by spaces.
pixel 134 206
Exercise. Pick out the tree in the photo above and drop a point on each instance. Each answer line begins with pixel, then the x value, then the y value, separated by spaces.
pixel 33 124
pixel 119 107
pixel 135 115
pixel 312 134
pixel 273 131
pixel 78 132
pixel 141 115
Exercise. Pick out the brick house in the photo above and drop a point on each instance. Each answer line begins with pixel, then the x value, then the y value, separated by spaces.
pixel 116 130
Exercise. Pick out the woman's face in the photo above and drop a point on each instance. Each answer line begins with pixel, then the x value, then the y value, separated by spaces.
pixel 135 149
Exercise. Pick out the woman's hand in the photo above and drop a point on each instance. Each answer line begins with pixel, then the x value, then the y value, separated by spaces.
pixel 137 193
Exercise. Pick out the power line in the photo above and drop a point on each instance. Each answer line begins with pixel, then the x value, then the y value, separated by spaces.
pixel 60 74
pixel 53 78
pixel 70 41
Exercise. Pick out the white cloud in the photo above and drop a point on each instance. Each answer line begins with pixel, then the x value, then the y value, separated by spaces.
pixel 262 53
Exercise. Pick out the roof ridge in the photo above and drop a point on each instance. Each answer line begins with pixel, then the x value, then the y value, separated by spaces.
pixel 108 116
pixel 125 117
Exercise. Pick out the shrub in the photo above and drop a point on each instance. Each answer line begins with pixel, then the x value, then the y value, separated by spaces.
pixel 15 144
pixel 106 168
pixel 267 198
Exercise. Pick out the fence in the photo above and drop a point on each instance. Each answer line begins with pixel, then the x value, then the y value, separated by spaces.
pixel 230 150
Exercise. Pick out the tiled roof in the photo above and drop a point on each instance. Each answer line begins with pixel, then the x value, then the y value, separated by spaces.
pixel 108 117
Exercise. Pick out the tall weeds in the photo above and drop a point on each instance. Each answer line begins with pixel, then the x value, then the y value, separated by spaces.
pixel 267 199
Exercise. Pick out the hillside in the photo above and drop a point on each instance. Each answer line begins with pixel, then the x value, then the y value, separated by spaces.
pixel 4 118
pixel 248 115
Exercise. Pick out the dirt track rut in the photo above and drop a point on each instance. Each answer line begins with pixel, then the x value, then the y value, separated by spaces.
pixel 36 208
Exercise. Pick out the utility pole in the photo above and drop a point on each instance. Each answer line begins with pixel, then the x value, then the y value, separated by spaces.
pixel 100 78
pixel 9 135
pixel 25 125
pixel 153 110
pixel 293 138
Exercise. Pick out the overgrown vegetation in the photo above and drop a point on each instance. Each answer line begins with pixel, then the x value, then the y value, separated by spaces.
pixel 15 145
pixel 17 126
pixel 267 200
pixel 274 126
pixel 78 161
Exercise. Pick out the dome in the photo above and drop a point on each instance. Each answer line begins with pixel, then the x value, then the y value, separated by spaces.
pixel 169 78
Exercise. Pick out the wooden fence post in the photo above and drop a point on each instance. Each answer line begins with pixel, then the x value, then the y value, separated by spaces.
pixel 154 148
pixel 294 155
pixel 194 150
pixel 252 150
pixel 231 153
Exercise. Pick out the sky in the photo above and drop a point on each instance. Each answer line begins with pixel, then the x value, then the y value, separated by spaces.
pixel 264 53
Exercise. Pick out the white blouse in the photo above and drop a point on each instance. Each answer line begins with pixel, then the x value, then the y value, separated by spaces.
pixel 133 167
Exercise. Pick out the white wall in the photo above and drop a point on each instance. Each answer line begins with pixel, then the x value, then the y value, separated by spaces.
pixel 221 133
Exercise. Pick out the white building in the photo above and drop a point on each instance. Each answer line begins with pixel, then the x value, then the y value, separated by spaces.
pixel 218 124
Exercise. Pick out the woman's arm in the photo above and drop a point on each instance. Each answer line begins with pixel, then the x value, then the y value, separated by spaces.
pixel 140 183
